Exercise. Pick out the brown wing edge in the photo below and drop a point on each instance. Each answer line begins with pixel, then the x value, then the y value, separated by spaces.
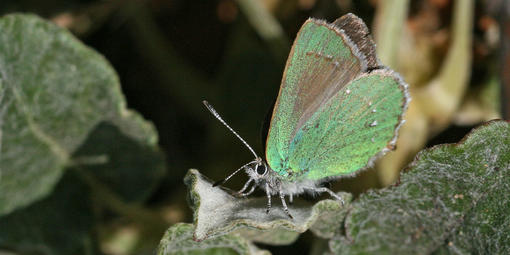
pixel 358 32
pixel 354 49
pixel 391 145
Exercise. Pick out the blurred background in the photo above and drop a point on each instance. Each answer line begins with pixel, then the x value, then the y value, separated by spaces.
pixel 172 54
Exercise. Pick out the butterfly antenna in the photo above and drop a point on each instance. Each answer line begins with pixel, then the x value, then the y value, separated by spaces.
pixel 213 112
pixel 257 159
pixel 232 174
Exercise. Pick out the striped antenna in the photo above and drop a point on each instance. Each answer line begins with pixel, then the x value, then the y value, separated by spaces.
pixel 213 112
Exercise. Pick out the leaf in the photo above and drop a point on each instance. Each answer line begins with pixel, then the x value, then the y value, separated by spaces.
pixel 179 240
pixel 68 121
pixel 453 199
pixel 55 93
pixel 130 169
pixel 216 212
pixel 61 223
pixel 329 221
pixel 277 236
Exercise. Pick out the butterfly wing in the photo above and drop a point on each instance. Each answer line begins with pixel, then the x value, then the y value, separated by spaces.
pixel 354 127
pixel 357 31
pixel 323 60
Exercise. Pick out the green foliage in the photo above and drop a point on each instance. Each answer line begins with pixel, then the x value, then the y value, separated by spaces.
pixel 55 92
pixel 58 224
pixel 451 199
pixel 61 109
pixel 178 240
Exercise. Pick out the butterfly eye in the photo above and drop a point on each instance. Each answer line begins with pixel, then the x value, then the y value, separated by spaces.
pixel 261 169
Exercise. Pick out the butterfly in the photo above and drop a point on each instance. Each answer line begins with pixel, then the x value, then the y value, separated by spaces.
pixel 338 110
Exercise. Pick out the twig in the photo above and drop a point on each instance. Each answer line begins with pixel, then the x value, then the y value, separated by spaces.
pixel 504 24
pixel 390 19
pixel 442 97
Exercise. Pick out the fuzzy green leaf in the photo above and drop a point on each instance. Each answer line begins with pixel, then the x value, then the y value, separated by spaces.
pixel 129 168
pixel 179 240
pixel 329 221
pixel 55 91
pixel 277 236
pixel 61 223
pixel 452 200
pixel 216 212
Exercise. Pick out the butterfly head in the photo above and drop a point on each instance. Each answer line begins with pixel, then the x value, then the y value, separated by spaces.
pixel 256 169
pixel 263 176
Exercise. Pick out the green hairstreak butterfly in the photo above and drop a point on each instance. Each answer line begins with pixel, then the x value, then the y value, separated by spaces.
pixel 338 109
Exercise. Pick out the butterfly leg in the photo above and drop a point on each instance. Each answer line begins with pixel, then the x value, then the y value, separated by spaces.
pixel 331 193
pixel 249 192
pixel 285 208
pixel 268 198
pixel 240 192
